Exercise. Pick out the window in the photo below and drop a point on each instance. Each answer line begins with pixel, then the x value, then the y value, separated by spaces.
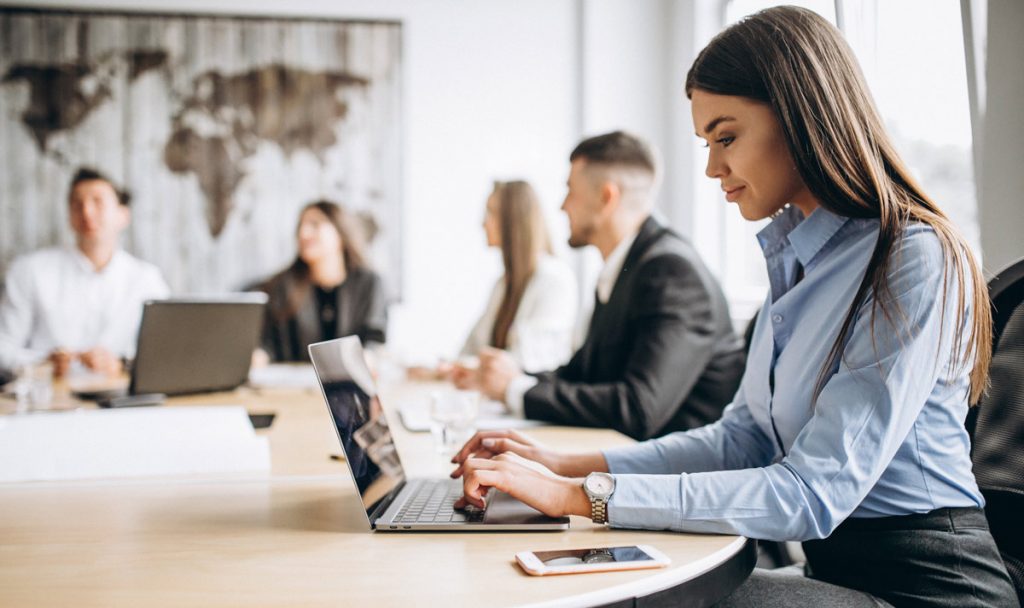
pixel 912 55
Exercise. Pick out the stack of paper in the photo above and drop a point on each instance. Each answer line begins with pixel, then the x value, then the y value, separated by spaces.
pixel 416 417
pixel 283 375
pixel 85 444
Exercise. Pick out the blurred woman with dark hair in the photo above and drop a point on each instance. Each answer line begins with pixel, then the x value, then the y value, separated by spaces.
pixel 532 309
pixel 329 290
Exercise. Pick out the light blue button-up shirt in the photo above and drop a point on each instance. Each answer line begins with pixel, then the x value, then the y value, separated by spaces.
pixel 886 436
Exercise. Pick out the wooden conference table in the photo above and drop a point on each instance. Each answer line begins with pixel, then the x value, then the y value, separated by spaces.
pixel 298 536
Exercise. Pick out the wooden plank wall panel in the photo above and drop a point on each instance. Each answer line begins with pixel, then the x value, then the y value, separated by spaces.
pixel 127 134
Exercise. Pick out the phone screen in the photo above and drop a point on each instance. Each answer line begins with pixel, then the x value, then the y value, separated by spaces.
pixel 596 555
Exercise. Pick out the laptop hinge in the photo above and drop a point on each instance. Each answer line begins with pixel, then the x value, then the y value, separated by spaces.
pixel 378 510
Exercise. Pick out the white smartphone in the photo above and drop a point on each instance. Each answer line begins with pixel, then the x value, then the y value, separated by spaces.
pixel 592 559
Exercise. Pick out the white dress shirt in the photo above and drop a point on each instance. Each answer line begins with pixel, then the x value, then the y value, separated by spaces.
pixel 519 385
pixel 613 266
pixel 540 337
pixel 55 298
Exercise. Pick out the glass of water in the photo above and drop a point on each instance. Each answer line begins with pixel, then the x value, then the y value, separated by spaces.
pixel 453 416
pixel 33 387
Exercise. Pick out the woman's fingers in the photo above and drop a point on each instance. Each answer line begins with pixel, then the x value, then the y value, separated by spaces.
pixel 463 380
pixel 511 474
pixel 480 476
pixel 495 450
pixel 523 439
pixel 477 484
pixel 475 443
pixel 461 469
pixel 499 445
pixel 487 444
pixel 533 465
pixel 461 502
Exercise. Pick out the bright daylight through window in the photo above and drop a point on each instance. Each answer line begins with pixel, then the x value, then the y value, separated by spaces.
pixel 912 54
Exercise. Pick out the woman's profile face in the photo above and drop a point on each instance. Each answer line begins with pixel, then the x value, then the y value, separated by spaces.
pixel 317 236
pixel 492 225
pixel 748 155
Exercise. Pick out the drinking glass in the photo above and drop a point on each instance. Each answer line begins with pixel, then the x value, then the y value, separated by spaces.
pixel 453 416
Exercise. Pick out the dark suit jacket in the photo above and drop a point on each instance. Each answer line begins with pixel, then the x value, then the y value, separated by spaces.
pixel 361 310
pixel 660 356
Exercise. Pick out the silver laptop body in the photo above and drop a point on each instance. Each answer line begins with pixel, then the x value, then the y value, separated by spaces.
pixel 394 503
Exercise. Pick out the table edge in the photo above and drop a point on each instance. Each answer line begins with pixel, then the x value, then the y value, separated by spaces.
pixel 662 581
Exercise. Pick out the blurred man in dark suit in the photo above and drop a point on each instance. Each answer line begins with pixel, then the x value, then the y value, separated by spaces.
pixel 660 353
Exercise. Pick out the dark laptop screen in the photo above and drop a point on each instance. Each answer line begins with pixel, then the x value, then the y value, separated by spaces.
pixel 352 400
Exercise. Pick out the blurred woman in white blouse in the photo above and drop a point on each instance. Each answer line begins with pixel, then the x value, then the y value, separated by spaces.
pixel 532 309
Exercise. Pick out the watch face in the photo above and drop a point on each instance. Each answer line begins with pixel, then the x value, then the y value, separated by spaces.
pixel 598 556
pixel 600 484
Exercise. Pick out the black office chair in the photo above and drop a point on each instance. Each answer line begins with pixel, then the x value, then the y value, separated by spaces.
pixel 996 425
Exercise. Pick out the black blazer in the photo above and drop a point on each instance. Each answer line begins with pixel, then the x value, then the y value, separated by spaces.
pixel 361 307
pixel 660 356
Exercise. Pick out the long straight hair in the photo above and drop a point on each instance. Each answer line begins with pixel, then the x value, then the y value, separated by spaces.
pixel 524 237
pixel 795 61
pixel 353 250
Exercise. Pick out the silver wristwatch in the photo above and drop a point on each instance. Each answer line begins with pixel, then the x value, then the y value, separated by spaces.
pixel 599 488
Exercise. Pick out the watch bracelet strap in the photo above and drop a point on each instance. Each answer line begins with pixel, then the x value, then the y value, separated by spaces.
pixel 599 510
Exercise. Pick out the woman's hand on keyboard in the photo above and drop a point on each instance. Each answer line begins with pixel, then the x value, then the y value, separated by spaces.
pixel 488 444
pixel 536 486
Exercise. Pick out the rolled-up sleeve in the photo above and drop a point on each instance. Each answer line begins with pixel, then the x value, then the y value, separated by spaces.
pixel 733 442
pixel 653 499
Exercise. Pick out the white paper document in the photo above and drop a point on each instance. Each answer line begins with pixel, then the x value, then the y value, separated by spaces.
pixel 283 375
pixel 416 417
pixel 145 442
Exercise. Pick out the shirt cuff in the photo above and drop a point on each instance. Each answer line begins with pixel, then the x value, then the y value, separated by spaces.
pixel 650 502
pixel 516 392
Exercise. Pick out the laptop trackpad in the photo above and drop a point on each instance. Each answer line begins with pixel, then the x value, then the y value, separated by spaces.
pixel 503 509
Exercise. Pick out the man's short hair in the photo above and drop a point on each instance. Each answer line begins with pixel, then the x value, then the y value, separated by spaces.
pixel 88 174
pixel 616 149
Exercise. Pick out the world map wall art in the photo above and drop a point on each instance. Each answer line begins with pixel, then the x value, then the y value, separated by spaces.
pixel 221 127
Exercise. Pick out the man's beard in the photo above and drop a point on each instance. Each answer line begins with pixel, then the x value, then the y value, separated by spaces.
pixel 581 238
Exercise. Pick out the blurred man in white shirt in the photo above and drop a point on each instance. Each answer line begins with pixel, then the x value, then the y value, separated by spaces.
pixel 80 303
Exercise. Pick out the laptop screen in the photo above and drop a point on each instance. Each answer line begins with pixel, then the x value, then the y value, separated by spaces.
pixel 352 400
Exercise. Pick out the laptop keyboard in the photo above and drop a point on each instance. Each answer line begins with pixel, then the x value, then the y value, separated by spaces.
pixel 432 503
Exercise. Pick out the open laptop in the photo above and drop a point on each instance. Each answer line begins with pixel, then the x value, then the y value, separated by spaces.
pixel 394 503
pixel 196 345
pixel 193 345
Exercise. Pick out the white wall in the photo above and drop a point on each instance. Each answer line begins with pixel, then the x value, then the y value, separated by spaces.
pixel 501 90
pixel 635 56
pixel 490 92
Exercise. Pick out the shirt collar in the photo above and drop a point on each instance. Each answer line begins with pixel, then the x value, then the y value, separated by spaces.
pixel 84 264
pixel 613 266
pixel 806 235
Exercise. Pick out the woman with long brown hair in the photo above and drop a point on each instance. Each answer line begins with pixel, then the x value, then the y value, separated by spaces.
pixel 532 307
pixel 847 430
pixel 329 290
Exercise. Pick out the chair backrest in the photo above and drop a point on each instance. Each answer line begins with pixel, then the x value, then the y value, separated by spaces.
pixel 748 333
pixel 997 423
